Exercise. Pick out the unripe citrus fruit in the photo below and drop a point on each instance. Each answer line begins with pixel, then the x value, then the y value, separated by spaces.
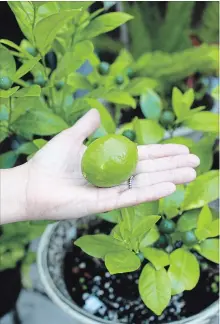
pixel 167 118
pixel 130 73
pixel 59 85
pixel 119 79
pixel 103 68
pixel 109 160
pixel 5 83
pixel 189 238
pixel 129 134
pixel 32 51
pixel 39 80
pixel 167 226
pixel 162 242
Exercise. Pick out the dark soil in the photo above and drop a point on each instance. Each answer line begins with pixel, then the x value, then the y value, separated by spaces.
pixel 10 283
pixel 116 297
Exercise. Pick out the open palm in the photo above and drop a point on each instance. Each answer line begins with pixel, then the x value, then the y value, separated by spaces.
pixel 56 188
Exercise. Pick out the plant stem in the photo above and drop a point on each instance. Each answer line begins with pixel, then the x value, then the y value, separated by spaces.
pixel 117 115
pixel 123 28
pixel 50 102
pixel 9 117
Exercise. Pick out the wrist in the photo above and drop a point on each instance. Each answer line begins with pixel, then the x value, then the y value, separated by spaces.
pixel 13 195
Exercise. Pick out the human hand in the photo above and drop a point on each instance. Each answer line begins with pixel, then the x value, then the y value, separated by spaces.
pixel 56 188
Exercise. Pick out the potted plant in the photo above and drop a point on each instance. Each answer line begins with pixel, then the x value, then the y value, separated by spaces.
pixel 149 266
pixel 45 92
pixel 16 259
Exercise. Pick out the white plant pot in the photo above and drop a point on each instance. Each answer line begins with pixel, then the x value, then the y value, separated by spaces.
pixel 52 249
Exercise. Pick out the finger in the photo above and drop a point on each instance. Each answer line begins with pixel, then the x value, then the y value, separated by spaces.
pixel 137 196
pixel 86 125
pixel 155 151
pixel 177 176
pixel 167 163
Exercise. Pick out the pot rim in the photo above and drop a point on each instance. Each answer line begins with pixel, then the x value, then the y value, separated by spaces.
pixel 74 310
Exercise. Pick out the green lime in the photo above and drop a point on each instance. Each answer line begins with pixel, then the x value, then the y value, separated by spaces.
pixel 167 226
pixel 119 79
pixel 162 242
pixel 167 118
pixel 189 238
pixel 129 134
pixel 95 85
pixel 109 160
pixel 130 73
pixel 103 68
pixel 40 80
pixel 59 85
pixel 32 51
pixel 5 83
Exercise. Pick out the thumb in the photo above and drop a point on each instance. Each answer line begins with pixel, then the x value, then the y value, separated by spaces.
pixel 86 125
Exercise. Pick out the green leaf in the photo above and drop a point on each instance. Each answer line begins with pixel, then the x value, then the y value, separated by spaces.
pixel 27 148
pixel 151 237
pixel 4 112
pixel 203 121
pixel 214 228
pixel 148 131
pixel 210 250
pixel 201 191
pixel 7 62
pixel 121 262
pixel 112 216
pixel 26 67
pixel 188 99
pixel 204 150
pixel 104 24
pixel 137 86
pixel 39 143
pixel 40 122
pixel 146 209
pixel 7 160
pixel 188 220
pixel 205 217
pixel 206 227
pixel 120 97
pixel 46 29
pixel 78 81
pixel 106 118
pixel 138 31
pixel 8 93
pixel 151 105
pixel 24 104
pixel 183 271
pixel 177 98
pixel 24 14
pixel 10 44
pixel 154 287
pixel 170 205
pixel 73 59
pixel 179 140
pixel 3 130
pixel 32 91
pixel 143 225
pixel 123 60
pixel 99 245
pixel 182 103
pixel 157 257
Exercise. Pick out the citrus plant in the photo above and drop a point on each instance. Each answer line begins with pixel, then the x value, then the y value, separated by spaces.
pixel 40 100
pixel 163 238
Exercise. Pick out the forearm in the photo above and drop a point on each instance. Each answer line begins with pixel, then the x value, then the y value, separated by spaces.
pixel 13 195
